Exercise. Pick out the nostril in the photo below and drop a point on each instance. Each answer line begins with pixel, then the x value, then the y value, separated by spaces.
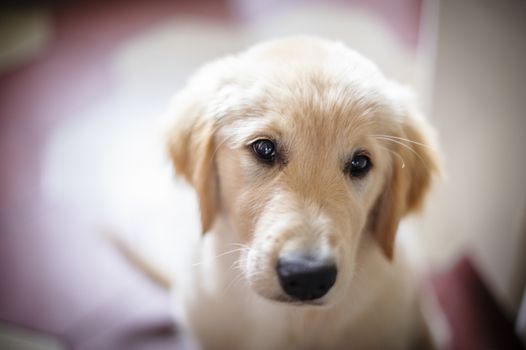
pixel 306 278
pixel 292 284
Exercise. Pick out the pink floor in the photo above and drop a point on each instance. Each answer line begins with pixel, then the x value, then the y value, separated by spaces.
pixel 49 280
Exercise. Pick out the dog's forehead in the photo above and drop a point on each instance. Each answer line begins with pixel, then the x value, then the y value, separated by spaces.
pixel 307 73
pixel 301 86
pixel 307 112
pixel 308 97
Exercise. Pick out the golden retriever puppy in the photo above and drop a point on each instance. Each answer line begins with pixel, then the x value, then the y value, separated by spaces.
pixel 304 158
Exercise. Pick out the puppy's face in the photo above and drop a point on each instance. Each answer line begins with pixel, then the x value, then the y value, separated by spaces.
pixel 304 147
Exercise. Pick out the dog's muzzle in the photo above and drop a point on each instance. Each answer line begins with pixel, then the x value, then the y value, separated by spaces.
pixel 305 278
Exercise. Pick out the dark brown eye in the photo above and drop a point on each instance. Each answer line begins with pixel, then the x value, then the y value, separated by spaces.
pixel 265 150
pixel 359 166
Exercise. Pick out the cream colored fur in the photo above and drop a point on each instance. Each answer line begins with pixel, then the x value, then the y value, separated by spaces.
pixel 321 101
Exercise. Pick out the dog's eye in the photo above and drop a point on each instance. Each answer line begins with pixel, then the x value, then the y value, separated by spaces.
pixel 265 150
pixel 359 166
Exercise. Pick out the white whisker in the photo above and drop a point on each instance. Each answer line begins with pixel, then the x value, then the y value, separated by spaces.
pixel 219 255
pixel 403 139
pixel 395 154
pixel 406 146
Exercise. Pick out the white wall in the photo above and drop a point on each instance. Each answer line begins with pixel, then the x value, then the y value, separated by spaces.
pixel 479 110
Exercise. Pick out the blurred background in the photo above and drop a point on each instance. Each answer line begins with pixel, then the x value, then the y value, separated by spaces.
pixel 81 83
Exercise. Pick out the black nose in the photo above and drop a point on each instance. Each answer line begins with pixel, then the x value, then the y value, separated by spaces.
pixel 306 278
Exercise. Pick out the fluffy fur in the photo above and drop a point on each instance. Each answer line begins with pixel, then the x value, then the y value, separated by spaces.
pixel 320 102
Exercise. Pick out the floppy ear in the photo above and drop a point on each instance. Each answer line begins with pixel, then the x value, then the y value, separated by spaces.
pixel 191 149
pixel 413 164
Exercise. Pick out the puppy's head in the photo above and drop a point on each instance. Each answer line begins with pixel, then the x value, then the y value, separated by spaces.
pixel 303 147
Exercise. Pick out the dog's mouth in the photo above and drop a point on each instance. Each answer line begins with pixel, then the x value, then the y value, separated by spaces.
pixel 296 302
